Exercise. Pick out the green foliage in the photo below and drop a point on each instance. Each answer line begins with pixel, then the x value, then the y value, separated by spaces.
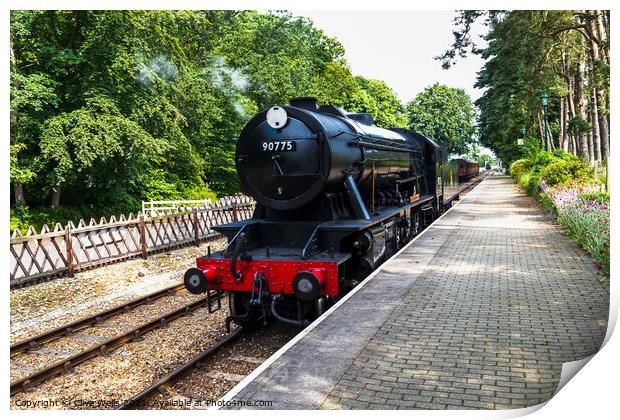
pixel 474 153
pixel 22 217
pixel 519 167
pixel 383 104
pixel 527 52
pixel 445 114
pixel 530 181
pixel 585 216
pixel 563 171
pixel 483 159
pixel 96 147
pixel 554 168
pixel 337 86
pixel 531 148
pixel 599 197
pixel 548 204
pixel 19 173
pixel 578 126
pixel 114 107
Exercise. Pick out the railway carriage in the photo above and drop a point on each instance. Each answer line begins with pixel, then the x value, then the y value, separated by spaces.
pixel 336 195
pixel 466 168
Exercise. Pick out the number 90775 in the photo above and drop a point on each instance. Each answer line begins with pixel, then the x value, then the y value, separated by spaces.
pixel 279 146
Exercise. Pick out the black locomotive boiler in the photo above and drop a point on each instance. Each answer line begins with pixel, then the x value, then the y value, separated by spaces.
pixel 335 197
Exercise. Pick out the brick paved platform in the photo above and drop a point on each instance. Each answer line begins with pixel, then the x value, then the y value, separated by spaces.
pixel 479 312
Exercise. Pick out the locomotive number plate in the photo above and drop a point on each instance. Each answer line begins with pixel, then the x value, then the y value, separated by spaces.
pixel 279 146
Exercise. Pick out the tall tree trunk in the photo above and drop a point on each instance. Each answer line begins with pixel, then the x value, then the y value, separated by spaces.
pixel 571 114
pixel 18 189
pixel 541 130
pixel 595 57
pixel 562 137
pixel 551 144
pixel 590 148
pixel 599 52
pixel 601 30
pixel 18 192
pixel 596 132
pixel 566 106
pixel 602 33
pixel 56 197
pixel 572 145
pixel 603 124
pixel 580 109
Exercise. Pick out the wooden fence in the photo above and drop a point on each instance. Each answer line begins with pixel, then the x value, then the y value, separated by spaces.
pixel 65 250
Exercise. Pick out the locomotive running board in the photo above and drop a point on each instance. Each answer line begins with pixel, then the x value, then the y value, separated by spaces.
pixel 377 217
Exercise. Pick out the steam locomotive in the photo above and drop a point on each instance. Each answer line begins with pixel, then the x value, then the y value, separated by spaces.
pixel 336 196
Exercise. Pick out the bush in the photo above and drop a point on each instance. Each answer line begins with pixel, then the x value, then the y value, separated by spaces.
pixel 530 181
pixel 518 167
pixel 23 217
pixel 560 172
pixel 553 168
pixel 548 204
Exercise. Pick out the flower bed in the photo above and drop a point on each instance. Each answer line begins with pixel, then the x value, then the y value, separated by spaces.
pixel 584 213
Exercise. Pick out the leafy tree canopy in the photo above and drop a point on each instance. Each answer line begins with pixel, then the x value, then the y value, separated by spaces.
pixel 445 114
pixel 562 52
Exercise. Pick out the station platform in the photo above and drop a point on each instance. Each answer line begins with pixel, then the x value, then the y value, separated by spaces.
pixel 478 312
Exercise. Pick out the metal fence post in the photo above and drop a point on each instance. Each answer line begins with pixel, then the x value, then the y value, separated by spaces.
pixel 195 225
pixel 142 231
pixel 69 246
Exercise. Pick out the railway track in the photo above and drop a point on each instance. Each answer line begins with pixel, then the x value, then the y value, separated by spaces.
pixel 212 301
pixel 35 342
pixel 462 190
pixel 473 183
pixel 198 361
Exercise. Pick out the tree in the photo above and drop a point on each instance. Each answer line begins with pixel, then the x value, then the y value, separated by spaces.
pixel 279 54
pixel 562 52
pixel 384 104
pixel 112 107
pixel 445 114
pixel 96 148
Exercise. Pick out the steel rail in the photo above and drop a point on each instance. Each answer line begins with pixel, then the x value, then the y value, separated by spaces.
pixel 34 343
pixel 136 334
pixel 179 372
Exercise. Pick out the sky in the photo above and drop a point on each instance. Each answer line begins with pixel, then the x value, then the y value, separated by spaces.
pixel 398 47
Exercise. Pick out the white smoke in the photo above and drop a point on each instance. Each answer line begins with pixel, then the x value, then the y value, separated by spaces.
pixel 227 79
pixel 239 109
pixel 156 68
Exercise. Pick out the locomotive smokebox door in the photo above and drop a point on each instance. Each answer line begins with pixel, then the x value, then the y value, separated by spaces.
pixel 276 117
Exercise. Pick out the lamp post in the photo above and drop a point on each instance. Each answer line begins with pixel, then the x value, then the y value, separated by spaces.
pixel 544 98
pixel 521 140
